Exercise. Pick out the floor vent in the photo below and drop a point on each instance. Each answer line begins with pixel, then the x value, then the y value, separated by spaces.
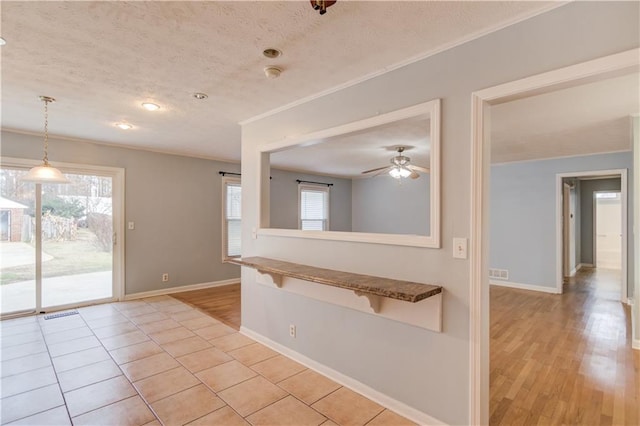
pixel 60 315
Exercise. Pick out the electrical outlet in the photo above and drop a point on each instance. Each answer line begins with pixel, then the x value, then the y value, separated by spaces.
pixel 165 277
pixel 292 330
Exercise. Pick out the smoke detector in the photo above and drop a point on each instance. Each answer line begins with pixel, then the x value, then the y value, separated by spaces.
pixel 272 72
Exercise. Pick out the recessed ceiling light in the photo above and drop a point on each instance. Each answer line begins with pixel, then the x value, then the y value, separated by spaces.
pixel 271 53
pixel 124 126
pixel 150 106
pixel 200 95
pixel 2 41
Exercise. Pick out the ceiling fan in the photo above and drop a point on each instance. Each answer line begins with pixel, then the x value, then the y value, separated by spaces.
pixel 400 167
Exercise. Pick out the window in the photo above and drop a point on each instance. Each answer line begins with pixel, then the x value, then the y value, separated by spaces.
pixel 232 207
pixel 314 207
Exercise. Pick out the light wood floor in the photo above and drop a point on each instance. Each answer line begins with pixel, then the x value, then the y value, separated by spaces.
pixel 554 359
pixel 564 359
pixel 222 303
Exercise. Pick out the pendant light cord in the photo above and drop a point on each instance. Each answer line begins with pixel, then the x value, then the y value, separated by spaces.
pixel 45 159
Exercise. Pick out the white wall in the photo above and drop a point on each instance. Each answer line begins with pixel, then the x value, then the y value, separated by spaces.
pixel 424 370
pixel 174 201
pixel 523 214
pixel 391 206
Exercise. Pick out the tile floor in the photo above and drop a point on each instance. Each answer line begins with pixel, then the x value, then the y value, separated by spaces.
pixel 159 361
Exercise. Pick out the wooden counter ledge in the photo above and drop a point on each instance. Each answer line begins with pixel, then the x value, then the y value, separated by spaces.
pixel 365 284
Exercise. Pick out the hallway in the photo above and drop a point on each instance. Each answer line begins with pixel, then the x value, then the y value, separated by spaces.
pixel 564 359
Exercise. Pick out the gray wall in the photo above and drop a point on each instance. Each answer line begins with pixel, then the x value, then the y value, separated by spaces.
pixel 587 188
pixel 284 200
pixel 523 214
pixel 391 206
pixel 425 370
pixel 174 201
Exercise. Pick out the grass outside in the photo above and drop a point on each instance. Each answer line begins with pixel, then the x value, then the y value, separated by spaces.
pixel 69 258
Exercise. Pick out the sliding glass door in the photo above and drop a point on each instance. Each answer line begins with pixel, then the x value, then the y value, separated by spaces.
pixel 59 248
pixel 17 248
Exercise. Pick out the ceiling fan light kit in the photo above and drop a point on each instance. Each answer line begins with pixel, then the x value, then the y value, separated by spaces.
pixel 399 172
pixel 400 167
pixel 45 173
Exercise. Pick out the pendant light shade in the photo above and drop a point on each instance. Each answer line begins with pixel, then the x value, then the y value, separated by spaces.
pixel 45 173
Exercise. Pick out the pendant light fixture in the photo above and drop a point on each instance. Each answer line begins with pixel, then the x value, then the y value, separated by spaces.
pixel 322 5
pixel 45 173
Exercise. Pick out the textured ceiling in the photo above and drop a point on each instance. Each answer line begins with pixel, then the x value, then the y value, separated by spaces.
pixel 100 60
pixel 351 154
pixel 586 119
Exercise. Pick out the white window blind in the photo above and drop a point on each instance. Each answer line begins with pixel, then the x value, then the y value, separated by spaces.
pixel 233 222
pixel 314 208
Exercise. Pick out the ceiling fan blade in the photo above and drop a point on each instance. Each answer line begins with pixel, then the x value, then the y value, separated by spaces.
pixel 418 168
pixel 414 175
pixel 381 172
pixel 375 170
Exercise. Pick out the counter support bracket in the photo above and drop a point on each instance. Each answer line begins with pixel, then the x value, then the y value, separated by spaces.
pixel 374 300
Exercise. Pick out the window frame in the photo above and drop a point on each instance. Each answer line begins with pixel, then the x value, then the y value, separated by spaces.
pixel 226 182
pixel 315 188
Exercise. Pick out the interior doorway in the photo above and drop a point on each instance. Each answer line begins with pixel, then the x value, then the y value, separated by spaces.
pixel 608 230
pixel 578 234
pixel 482 101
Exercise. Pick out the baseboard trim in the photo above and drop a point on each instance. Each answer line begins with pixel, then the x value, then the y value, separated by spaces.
pixel 524 286
pixel 635 343
pixel 578 267
pixel 180 289
pixel 346 381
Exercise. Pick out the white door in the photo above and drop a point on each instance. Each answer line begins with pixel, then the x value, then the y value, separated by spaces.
pixel 608 230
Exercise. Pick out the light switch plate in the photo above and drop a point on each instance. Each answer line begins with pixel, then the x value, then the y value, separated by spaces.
pixel 460 248
pixel 132 225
